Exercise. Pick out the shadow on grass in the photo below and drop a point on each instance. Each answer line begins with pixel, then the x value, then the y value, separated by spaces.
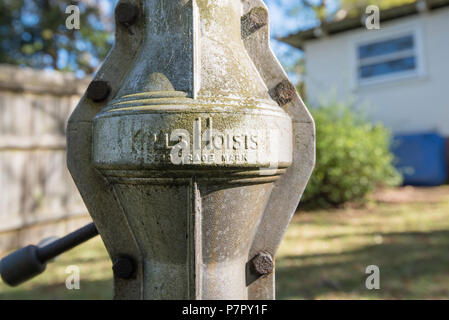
pixel 89 289
pixel 412 265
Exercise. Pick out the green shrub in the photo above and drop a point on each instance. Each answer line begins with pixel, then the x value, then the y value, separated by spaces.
pixel 353 157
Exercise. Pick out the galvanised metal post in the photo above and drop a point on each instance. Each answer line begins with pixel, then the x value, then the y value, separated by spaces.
pixel 191 150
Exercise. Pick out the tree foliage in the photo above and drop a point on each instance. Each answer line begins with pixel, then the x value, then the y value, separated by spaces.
pixel 33 33
pixel 353 157
pixel 354 8
pixel 329 10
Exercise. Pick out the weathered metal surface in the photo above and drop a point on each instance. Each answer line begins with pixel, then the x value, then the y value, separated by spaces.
pixel 289 188
pixel 96 192
pixel 179 167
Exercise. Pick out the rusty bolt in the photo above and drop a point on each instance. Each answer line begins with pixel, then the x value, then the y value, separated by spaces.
pixel 98 90
pixel 262 263
pixel 284 92
pixel 126 13
pixel 253 21
pixel 124 267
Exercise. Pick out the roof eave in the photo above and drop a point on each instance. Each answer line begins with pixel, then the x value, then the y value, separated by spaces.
pixel 298 39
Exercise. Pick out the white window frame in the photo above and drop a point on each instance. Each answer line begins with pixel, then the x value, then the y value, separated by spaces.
pixel 372 36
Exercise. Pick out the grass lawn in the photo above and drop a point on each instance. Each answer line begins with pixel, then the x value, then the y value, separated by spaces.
pixel 323 256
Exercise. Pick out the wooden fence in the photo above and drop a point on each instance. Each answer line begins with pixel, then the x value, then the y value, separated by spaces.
pixel 38 198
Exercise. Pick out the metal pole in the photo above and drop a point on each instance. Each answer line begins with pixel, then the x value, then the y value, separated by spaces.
pixel 191 150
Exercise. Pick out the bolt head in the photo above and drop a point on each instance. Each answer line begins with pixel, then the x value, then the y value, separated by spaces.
pixel 263 263
pixel 98 90
pixel 253 21
pixel 284 92
pixel 126 13
pixel 124 267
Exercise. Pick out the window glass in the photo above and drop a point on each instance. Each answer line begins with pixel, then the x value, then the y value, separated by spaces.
pixel 386 47
pixel 388 57
pixel 383 68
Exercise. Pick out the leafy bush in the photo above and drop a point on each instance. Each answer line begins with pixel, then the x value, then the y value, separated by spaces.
pixel 353 157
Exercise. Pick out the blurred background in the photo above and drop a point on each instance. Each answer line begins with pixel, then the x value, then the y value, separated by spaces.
pixel 378 195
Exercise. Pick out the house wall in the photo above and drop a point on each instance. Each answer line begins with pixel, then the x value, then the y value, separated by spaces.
pixel 416 104
pixel 38 198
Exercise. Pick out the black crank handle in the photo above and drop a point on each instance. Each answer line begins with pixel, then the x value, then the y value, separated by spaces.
pixel 30 261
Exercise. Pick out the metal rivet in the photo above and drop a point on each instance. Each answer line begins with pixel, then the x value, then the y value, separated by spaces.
pixel 126 13
pixel 253 21
pixel 284 92
pixel 262 263
pixel 98 90
pixel 124 267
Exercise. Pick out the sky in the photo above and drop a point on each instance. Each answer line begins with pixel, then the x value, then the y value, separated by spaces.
pixel 286 17
pixel 282 23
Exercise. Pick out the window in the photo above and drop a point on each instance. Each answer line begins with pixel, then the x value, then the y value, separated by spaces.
pixel 388 58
